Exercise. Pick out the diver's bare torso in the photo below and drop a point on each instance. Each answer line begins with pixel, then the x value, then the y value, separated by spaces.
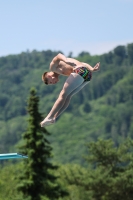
pixel 66 69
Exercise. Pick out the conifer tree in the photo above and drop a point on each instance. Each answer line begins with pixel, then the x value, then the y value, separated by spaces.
pixel 36 180
pixel 109 175
pixel 112 174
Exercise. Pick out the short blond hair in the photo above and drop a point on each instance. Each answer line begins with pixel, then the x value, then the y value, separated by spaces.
pixel 44 78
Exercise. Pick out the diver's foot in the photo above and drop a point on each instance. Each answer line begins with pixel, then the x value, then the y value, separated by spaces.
pixel 47 122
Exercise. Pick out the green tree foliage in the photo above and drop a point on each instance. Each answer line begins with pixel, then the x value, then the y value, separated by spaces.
pixel 130 53
pixel 35 179
pixel 107 58
pixel 71 177
pixel 109 174
pixel 7 182
pixel 120 54
pixel 112 168
pixel 103 106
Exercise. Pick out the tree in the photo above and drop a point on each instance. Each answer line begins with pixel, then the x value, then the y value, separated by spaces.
pixel 111 176
pixel 71 176
pixel 120 51
pixel 130 53
pixel 120 54
pixel 36 179
pixel 83 53
pixel 107 58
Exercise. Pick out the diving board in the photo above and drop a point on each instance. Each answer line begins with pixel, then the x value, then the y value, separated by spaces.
pixel 11 156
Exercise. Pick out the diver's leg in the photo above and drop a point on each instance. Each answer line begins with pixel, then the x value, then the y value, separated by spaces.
pixel 72 82
pixel 67 101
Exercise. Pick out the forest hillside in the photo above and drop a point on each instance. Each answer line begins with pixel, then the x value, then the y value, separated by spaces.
pixel 103 109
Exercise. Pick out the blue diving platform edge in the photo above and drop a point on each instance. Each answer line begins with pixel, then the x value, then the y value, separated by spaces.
pixel 11 156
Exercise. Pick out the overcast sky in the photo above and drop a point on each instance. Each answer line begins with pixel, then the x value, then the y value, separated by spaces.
pixel 95 26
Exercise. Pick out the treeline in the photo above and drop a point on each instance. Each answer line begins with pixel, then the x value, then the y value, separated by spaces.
pixel 102 109
pixel 18 73
pixel 108 174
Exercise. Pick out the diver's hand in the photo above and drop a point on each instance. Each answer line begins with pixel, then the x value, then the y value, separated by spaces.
pixel 96 67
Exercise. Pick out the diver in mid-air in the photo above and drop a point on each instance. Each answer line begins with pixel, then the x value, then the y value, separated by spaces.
pixel 79 74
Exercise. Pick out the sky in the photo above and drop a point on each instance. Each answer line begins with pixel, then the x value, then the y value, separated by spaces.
pixel 95 26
